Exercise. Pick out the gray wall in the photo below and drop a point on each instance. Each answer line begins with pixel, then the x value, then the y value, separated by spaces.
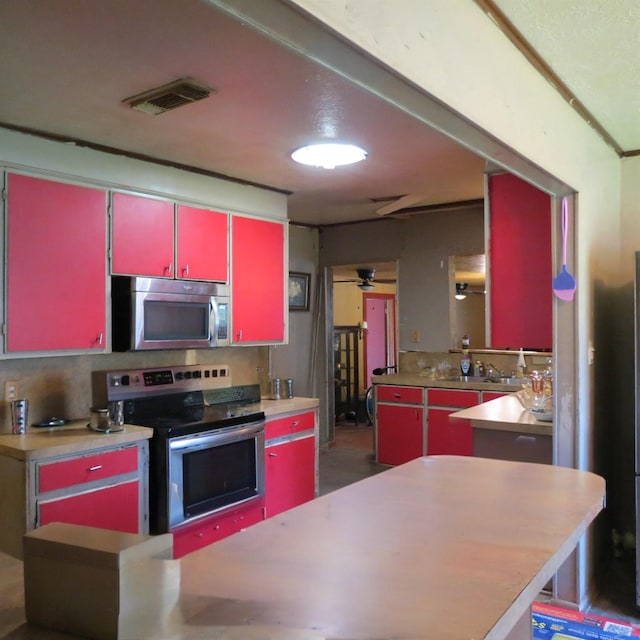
pixel 422 245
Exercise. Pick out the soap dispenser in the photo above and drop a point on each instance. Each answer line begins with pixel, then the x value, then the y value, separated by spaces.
pixel 465 360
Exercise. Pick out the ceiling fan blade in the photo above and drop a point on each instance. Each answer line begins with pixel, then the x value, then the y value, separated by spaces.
pixel 401 203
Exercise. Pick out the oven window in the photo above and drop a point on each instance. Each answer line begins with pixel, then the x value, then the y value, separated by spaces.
pixel 165 320
pixel 219 476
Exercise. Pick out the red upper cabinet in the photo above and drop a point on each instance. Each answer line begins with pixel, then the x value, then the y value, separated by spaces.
pixel 202 250
pixel 56 265
pixel 257 280
pixel 142 236
pixel 520 264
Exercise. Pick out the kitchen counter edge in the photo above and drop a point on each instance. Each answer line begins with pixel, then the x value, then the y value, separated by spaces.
pixel 75 437
pixel 416 380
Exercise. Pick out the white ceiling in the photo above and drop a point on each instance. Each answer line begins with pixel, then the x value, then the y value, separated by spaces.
pixel 68 65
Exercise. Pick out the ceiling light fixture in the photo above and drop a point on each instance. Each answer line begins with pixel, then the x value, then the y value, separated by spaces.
pixel 460 290
pixel 329 155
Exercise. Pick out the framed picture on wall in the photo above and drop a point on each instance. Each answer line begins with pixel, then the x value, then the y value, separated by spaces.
pixel 299 291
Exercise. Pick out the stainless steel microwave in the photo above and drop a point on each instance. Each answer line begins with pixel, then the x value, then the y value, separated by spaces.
pixel 158 313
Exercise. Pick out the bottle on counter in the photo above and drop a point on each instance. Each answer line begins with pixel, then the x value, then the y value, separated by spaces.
pixel 521 368
pixel 465 359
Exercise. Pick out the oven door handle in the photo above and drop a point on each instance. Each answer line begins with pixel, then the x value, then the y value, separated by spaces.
pixel 207 439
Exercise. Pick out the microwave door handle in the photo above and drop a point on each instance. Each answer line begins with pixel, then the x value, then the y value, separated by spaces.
pixel 213 323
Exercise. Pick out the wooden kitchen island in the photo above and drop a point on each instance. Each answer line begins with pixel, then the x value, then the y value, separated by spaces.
pixel 442 547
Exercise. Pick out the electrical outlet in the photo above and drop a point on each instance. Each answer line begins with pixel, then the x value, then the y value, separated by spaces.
pixel 10 390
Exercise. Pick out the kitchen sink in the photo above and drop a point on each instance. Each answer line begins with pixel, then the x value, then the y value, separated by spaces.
pixel 493 379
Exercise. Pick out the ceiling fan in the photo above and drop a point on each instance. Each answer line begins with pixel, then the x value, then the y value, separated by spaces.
pixel 462 291
pixel 365 279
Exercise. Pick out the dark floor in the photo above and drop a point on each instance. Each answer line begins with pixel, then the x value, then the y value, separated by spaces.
pixel 351 458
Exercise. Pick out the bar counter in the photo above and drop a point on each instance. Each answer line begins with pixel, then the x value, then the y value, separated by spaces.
pixel 442 547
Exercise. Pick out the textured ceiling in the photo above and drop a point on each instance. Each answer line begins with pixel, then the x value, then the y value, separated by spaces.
pixel 593 46
pixel 68 65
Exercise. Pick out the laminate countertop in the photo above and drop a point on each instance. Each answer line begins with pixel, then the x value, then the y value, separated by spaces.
pixel 418 380
pixel 76 437
pixel 504 414
pixel 441 547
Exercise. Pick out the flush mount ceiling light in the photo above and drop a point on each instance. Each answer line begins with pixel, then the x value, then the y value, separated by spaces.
pixel 328 155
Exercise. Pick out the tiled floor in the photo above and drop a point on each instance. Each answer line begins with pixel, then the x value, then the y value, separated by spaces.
pixel 351 458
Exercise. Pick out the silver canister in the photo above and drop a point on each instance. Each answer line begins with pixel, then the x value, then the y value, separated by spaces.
pixel 276 389
pixel 19 416
pixel 116 413
pixel 99 420
pixel 288 385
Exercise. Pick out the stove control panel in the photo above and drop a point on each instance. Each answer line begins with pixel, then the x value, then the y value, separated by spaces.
pixel 119 385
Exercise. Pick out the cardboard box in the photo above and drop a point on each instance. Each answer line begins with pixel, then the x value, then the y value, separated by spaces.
pixel 98 583
pixel 555 623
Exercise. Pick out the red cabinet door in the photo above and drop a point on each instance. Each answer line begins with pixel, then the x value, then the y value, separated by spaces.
pixel 202 244
pixel 142 236
pixel 520 248
pixel 56 265
pixel 257 280
pixel 116 507
pixel 207 530
pixel 448 437
pixel 290 476
pixel 400 433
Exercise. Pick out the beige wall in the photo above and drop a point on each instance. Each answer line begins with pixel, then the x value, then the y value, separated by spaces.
pixel 453 51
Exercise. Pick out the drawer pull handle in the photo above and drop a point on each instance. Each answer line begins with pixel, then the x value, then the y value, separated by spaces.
pixel 199 535
pixel 97 467
pixel 295 424
pixel 397 395
pixel 273 455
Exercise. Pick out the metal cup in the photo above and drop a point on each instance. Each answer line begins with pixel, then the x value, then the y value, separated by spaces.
pixel 19 416
pixel 116 413
pixel 288 383
pixel 276 389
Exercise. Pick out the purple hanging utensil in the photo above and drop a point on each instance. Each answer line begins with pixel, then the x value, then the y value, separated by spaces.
pixel 564 284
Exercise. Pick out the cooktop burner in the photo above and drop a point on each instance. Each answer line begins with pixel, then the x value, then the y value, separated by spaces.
pixel 180 400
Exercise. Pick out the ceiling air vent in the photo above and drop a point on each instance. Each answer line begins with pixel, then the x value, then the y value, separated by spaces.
pixel 169 96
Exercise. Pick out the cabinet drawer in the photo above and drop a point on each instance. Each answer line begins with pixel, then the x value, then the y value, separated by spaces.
pixel 291 424
pixel 394 393
pixel 209 530
pixel 492 395
pixel 452 398
pixel 81 469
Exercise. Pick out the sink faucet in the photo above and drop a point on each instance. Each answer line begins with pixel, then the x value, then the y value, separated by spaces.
pixel 492 371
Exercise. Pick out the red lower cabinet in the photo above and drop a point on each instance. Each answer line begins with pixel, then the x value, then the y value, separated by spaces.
pixel 400 433
pixel 448 437
pixel 290 476
pixel 445 436
pixel 199 534
pixel 116 507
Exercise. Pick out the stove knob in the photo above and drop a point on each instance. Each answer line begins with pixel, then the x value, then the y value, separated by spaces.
pixel 178 375
pixel 197 374
pixel 187 375
pixel 124 381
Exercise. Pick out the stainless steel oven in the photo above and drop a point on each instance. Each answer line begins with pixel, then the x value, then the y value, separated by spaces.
pixel 207 450
pixel 212 470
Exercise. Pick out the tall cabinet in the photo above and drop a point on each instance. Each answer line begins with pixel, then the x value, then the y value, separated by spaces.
pixel 345 362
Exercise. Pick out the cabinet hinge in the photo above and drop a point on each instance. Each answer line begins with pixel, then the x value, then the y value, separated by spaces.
pixel 3 194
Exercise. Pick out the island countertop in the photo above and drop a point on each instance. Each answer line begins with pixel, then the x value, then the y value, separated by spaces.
pixel 504 414
pixel 440 547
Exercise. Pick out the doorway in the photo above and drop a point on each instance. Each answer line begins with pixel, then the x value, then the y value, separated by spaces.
pixel 379 339
pixel 366 308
